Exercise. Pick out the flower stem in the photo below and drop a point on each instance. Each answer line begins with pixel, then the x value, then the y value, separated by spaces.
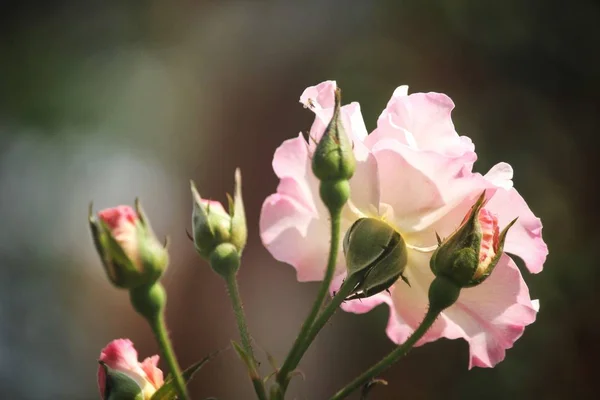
pixel 391 358
pixel 238 310
pixel 345 290
pixel 159 328
pixel 150 302
pixel 305 338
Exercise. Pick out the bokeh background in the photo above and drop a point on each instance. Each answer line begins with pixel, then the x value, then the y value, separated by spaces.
pixel 108 100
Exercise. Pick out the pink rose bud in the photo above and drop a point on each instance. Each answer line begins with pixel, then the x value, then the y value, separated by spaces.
pixel 121 376
pixel 213 226
pixel 130 252
pixel 469 255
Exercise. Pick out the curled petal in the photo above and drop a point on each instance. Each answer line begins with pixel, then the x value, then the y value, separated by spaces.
pixel 153 373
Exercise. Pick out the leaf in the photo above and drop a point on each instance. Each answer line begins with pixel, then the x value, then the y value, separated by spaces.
pixel 168 392
pixel 243 355
pixel 369 386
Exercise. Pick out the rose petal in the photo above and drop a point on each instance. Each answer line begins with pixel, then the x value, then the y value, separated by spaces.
pixel 490 317
pixel 421 187
pixel 422 121
pixel 291 164
pixel 524 239
pixel 321 100
pixel 117 216
pixel 286 227
pixel 493 315
pixel 154 374
pixel 121 356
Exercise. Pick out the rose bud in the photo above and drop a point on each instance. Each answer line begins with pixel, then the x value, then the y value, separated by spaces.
pixel 122 377
pixel 213 226
pixel 333 161
pixel 130 252
pixel 377 252
pixel 469 255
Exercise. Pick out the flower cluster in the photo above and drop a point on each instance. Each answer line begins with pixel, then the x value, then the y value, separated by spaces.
pixel 415 173
pixel 397 216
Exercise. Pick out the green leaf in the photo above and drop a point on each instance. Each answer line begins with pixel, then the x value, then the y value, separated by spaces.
pixel 168 392
pixel 242 354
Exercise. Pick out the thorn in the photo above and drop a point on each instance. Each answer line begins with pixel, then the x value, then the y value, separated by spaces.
pixel 405 279
pixel 439 239
pixel 189 235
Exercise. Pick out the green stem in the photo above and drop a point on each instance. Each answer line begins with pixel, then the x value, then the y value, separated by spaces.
pixel 159 328
pixel 150 302
pixel 238 310
pixel 305 338
pixel 335 303
pixel 391 358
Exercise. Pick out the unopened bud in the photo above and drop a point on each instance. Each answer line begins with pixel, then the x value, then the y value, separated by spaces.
pixel 468 256
pixel 376 253
pixel 333 159
pixel 130 252
pixel 212 225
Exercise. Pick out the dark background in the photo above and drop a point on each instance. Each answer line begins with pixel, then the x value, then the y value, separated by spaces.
pixel 106 101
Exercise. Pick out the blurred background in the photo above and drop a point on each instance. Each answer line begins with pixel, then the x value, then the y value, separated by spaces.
pixel 108 100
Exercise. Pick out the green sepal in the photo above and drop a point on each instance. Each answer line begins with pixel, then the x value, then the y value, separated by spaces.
pixel 119 386
pixel 118 266
pixel 152 254
pixel 239 231
pixel 168 392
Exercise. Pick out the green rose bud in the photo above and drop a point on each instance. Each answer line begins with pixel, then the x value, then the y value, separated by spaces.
pixel 469 255
pixel 376 253
pixel 333 159
pixel 213 226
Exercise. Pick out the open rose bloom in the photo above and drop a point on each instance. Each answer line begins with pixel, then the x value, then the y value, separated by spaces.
pixel 415 173
pixel 121 356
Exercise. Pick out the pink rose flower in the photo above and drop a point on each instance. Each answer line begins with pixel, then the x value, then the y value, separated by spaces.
pixel 415 172
pixel 121 356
